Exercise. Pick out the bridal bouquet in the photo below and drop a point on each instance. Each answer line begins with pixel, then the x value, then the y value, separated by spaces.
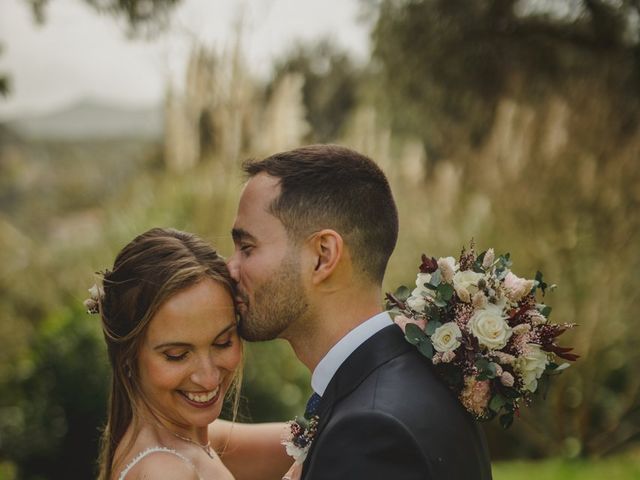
pixel 483 330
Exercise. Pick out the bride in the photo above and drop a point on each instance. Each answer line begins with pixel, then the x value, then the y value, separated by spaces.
pixel 169 323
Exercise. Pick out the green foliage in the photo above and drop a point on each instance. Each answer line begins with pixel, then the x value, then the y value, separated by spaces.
pixel 622 467
pixel 330 88
pixel 148 16
pixel 53 405
pixel 444 65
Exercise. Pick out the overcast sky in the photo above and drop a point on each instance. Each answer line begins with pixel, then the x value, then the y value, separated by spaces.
pixel 79 54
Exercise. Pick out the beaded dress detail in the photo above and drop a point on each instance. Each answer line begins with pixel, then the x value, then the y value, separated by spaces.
pixel 149 451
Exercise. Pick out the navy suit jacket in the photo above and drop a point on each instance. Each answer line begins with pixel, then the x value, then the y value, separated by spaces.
pixel 386 415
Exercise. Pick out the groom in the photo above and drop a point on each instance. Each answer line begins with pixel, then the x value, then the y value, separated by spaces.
pixel 314 231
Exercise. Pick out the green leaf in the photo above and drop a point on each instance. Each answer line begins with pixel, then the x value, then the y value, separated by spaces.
pixel 546 311
pixel 506 420
pixel 510 392
pixel 431 327
pixel 439 302
pixel 402 293
pixel 482 364
pixel 540 283
pixel 497 402
pixel 433 313
pixel 426 348
pixel 436 279
pixel 477 265
pixel 445 291
pixel 414 334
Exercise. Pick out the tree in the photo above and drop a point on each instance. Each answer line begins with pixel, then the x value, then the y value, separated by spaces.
pixel 148 16
pixel 444 64
pixel 330 87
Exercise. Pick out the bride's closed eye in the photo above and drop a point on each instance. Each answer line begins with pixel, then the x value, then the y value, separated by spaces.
pixel 175 357
pixel 227 340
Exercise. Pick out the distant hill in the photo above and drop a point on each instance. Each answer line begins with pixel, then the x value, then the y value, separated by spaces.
pixel 92 119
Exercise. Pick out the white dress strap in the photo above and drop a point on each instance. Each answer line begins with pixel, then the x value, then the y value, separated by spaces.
pixel 149 451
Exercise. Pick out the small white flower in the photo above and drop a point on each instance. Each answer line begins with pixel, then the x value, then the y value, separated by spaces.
pixel 465 284
pixel 447 266
pixel 521 329
pixel 96 292
pixel 536 318
pixel 298 454
pixel 531 364
pixel 488 259
pixel 446 338
pixel 488 325
pixel 517 287
pixel 479 300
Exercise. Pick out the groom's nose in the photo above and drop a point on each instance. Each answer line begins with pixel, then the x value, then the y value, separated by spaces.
pixel 233 266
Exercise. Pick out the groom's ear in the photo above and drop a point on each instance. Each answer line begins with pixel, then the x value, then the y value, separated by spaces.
pixel 327 247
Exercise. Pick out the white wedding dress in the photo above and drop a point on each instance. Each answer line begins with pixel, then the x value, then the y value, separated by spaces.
pixel 149 451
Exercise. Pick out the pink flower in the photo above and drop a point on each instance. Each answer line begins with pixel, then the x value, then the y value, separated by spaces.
pixel 517 287
pixel 507 379
pixel 402 321
pixel 475 396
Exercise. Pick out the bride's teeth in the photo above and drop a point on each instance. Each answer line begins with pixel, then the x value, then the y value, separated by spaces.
pixel 202 397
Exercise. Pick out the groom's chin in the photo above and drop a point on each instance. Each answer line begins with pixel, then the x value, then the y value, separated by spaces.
pixel 251 332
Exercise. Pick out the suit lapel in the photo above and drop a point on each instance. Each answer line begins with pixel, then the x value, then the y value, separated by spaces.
pixel 385 345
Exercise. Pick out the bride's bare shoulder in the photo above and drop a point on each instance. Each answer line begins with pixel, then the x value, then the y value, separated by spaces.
pixel 163 464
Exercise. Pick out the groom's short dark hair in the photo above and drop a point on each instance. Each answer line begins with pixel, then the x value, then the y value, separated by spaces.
pixel 329 186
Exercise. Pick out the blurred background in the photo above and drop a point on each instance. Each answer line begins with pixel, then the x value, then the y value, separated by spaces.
pixel 515 122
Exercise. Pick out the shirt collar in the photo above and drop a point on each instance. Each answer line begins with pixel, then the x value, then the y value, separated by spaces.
pixel 328 366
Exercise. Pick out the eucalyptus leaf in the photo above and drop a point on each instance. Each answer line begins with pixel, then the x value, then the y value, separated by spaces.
pixel 426 348
pixel 402 293
pixel 506 420
pixel 432 327
pixel 436 278
pixel 439 302
pixel 477 265
pixel 414 334
pixel 445 291
pixel 433 313
pixel 497 402
pixel 510 392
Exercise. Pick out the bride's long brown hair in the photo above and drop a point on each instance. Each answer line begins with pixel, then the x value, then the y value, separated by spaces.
pixel 146 273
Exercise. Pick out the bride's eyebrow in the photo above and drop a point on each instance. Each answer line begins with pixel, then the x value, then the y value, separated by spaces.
pixel 189 345
pixel 229 327
pixel 173 344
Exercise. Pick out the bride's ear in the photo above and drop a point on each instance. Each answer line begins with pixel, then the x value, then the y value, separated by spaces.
pixel 327 247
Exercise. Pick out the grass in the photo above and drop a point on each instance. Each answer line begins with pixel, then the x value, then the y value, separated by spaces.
pixel 615 468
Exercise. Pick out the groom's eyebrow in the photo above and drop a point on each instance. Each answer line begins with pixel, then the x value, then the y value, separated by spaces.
pixel 239 234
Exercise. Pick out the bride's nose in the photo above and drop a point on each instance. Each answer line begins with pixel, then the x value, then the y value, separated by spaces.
pixel 207 374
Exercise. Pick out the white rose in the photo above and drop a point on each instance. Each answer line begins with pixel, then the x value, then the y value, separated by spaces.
pixel 465 284
pixel 446 338
pixel 489 327
pixel 531 364
pixel 447 266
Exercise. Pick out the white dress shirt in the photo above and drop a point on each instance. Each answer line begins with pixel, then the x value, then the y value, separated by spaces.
pixel 328 366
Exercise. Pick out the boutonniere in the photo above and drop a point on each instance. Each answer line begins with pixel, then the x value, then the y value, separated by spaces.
pixel 299 436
